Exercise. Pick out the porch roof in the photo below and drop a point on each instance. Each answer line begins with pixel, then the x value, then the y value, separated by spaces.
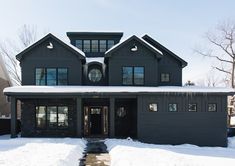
pixel 43 90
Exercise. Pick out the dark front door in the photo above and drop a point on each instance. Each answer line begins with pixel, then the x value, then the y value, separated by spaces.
pixel 95 121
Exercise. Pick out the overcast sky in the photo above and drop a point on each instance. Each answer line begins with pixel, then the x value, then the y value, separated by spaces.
pixel 179 25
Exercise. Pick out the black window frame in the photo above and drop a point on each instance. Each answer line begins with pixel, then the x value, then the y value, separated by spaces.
pixel 45 69
pixel 215 107
pixel 163 81
pixel 83 46
pixel 91 47
pixel 169 107
pixel 47 127
pixel 133 76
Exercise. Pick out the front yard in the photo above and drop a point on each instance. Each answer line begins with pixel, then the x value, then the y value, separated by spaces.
pixel 131 153
pixel 40 151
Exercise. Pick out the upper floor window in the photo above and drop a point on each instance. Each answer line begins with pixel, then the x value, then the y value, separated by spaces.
pixel 51 76
pixel 165 77
pixel 95 75
pixel 87 46
pixel 110 44
pixel 94 46
pixel 78 44
pixel 133 75
pixel 102 45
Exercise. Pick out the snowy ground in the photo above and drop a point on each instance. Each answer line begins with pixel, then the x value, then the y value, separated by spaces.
pixel 131 153
pixel 40 151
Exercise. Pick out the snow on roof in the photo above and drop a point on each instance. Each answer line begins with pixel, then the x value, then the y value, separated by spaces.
pixel 66 43
pixel 96 59
pixel 113 89
pixel 115 46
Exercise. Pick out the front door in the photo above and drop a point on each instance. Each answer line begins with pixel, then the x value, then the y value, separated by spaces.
pixel 96 121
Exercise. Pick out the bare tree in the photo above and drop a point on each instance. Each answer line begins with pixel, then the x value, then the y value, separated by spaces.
pixel 8 49
pixel 222 43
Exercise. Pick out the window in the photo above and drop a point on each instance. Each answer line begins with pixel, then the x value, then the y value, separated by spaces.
pixel 62 116
pixel 133 75
pixel 78 44
pixel 51 76
pixel 172 107
pixel 110 43
pixel 212 107
pixel 41 117
pixel 95 75
pixel 102 45
pixel 62 76
pixel 165 77
pixel 127 75
pixel 51 117
pixel 94 46
pixel 153 107
pixel 192 107
pixel 138 75
pixel 86 46
pixel 40 76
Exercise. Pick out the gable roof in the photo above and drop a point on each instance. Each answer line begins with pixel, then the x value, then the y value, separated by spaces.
pixel 156 44
pixel 146 44
pixel 49 35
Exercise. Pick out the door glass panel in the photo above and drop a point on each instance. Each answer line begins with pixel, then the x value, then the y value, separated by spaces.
pixel 86 121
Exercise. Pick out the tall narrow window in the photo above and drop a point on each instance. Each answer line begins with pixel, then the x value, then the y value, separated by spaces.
pixel 78 44
pixel 86 46
pixel 51 76
pixel 102 45
pixel 127 75
pixel 94 46
pixel 110 43
pixel 62 76
pixel 41 117
pixel 138 75
pixel 52 116
pixel 62 116
pixel 40 76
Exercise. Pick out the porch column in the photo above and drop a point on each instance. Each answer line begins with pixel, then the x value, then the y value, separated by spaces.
pixel 13 118
pixel 79 117
pixel 139 110
pixel 112 117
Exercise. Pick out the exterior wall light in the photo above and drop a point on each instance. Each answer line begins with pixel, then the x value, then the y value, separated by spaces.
pixel 134 48
pixel 50 45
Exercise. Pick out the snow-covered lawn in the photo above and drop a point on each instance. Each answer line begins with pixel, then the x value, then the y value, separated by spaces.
pixel 131 153
pixel 40 151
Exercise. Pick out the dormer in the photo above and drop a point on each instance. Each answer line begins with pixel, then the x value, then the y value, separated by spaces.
pixel 94 44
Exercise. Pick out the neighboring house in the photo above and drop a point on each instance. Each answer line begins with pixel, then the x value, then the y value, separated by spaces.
pixel 4 82
pixel 98 86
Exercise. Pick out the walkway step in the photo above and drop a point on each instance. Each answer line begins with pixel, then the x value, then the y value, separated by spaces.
pixel 95 154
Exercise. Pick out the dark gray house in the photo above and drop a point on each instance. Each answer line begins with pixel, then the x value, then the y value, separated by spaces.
pixel 97 86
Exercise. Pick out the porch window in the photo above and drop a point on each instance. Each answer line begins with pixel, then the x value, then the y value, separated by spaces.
pixel 41 117
pixel 62 116
pixel 192 107
pixel 52 116
pixel 212 107
pixel 172 107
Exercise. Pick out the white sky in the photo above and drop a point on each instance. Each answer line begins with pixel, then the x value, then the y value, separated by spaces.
pixel 178 25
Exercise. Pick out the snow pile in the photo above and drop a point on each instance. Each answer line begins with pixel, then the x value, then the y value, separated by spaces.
pixel 41 151
pixel 128 152
pixel 231 142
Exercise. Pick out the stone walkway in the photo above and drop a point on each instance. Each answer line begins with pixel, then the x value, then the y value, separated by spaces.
pixel 95 154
